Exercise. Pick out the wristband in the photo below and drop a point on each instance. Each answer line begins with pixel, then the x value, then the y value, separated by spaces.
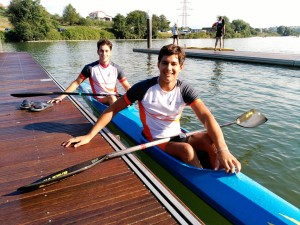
pixel 222 150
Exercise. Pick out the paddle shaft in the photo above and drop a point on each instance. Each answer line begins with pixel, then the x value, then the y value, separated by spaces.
pixel 156 142
pixel 253 116
pixel 33 94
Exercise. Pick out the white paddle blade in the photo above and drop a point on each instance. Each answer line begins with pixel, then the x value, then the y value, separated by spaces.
pixel 252 118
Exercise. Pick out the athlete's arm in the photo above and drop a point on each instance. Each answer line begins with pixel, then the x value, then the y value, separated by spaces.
pixel 224 156
pixel 126 85
pixel 103 120
pixel 72 87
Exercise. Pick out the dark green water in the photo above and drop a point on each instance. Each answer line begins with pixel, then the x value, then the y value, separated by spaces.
pixel 270 154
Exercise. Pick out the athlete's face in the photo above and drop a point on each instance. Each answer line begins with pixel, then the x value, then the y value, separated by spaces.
pixel 169 69
pixel 104 53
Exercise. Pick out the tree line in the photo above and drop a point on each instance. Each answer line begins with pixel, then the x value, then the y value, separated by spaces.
pixel 32 22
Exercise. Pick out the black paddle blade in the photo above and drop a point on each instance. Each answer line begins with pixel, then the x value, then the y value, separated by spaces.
pixel 252 118
pixel 62 174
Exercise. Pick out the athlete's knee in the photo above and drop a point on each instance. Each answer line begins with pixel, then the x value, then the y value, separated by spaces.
pixel 188 153
pixel 201 142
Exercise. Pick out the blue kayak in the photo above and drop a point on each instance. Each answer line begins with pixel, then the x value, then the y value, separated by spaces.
pixel 237 197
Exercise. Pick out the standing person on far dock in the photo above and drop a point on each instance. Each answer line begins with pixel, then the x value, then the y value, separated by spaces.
pixel 220 25
pixel 175 33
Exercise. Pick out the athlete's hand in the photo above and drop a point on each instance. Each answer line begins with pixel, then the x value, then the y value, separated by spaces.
pixel 228 161
pixel 58 99
pixel 55 100
pixel 77 141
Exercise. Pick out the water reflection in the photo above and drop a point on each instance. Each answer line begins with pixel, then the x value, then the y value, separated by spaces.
pixel 33 47
pixel 151 64
pixel 216 77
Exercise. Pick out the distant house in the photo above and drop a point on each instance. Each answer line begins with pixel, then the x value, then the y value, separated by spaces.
pixel 3 6
pixel 207 29
pixel 197 30
pixel 100 15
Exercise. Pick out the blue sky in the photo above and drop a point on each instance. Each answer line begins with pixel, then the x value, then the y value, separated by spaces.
pixel 258 13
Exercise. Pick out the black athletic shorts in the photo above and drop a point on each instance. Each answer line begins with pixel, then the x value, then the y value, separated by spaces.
pixel 180 138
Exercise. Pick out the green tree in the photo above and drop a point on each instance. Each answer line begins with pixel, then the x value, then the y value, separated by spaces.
pixel 241 27
pixel 119 26
pixel 164 24
pixel 155 25
pixel 280 30
pixel 30 20
pixel 137 24
pixel 288 31
pixel 134 26
pixel 56 20
pixel 70 16
pixel 285 31
pixel 229 29
pixel 85 21
pixel 159 23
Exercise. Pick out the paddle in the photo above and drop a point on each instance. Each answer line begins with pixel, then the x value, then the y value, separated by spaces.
pixel 249 119
pixel 33 94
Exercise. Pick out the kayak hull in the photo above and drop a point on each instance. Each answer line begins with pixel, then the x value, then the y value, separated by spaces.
pixel 237 197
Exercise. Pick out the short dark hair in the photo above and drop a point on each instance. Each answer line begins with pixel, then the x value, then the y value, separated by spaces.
pixel 172 50
pixel 104 42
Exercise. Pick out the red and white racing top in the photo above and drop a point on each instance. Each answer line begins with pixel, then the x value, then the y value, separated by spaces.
pixel 103 78
pixel 160 111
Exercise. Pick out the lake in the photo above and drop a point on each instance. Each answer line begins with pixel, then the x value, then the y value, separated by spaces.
pixel 270 153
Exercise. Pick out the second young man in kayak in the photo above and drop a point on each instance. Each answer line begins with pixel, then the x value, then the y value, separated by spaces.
pixel 161 101
pixel 103 75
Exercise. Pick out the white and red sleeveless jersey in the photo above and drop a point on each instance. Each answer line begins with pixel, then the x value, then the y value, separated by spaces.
pixel 103 79
pixel 160 111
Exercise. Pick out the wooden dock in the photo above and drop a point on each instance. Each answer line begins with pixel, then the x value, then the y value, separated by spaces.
pixel 119 191
pixel 278 59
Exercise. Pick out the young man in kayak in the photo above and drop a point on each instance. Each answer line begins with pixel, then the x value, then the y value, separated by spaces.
pixel 161 101
pixel 103 75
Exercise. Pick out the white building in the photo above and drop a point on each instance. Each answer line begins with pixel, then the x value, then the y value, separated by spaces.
pixel 100 15
pixel 3 6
